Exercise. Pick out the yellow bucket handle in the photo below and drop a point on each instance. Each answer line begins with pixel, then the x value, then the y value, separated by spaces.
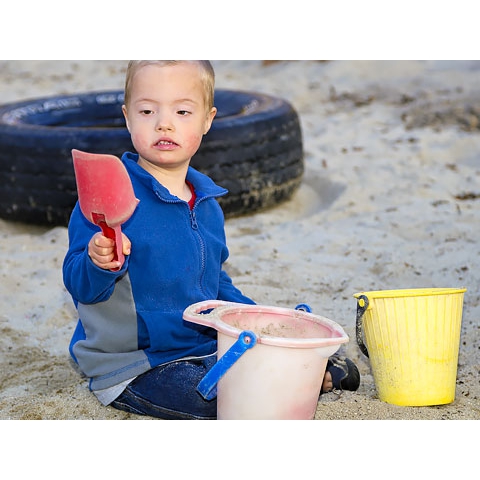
pixel 362 305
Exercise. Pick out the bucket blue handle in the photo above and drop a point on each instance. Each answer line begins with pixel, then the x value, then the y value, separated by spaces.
pixel 208 385
pixel 304 307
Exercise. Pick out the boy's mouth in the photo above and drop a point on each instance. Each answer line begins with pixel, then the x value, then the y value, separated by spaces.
pixel 165 144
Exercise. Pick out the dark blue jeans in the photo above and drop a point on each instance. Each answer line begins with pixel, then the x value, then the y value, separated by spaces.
pixel 169 392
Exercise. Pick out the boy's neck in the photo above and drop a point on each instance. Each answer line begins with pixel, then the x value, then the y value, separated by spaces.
pixel 172 179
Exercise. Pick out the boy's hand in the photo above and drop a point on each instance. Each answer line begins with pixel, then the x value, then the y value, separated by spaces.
pixel 100 250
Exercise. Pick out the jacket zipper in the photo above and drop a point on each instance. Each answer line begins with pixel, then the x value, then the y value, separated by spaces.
pixel 194 224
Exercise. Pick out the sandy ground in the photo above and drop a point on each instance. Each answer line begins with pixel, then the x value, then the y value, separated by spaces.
pixel 390 200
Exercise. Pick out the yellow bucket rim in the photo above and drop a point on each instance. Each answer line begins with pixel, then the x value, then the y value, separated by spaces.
pixel 410 292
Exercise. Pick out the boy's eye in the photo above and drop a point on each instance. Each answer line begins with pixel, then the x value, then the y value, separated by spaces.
pixel 183 112
pixel 146 112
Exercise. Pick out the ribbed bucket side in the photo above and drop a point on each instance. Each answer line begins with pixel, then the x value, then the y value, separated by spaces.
pixel 413 343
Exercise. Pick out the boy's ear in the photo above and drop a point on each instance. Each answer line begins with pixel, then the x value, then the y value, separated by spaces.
pixel 208 122
pixel 124 111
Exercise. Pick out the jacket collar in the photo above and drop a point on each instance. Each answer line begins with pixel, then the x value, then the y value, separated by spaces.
pixel 204 185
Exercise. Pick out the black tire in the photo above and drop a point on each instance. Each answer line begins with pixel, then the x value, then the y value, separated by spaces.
pixel 254 149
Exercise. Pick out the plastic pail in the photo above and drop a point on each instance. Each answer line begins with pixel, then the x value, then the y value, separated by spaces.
pixel 271 360
pixel 412 339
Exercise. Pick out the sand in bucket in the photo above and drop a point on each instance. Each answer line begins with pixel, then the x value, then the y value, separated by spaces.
pixel 412 338
pixel 281 376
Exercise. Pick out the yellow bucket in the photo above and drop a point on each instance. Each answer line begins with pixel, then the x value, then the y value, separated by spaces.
pixel 412 339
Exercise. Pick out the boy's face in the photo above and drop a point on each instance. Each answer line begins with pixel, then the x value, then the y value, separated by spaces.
pixel 166 115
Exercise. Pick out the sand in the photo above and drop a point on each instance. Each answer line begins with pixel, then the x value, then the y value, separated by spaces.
pixel 390 200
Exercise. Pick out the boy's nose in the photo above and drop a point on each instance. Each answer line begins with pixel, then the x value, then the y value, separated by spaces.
pixel 164 124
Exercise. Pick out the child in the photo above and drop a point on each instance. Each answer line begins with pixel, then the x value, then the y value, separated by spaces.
pixel 131 340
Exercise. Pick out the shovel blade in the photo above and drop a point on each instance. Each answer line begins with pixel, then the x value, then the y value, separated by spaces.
pixel 104 187
pixel 105 194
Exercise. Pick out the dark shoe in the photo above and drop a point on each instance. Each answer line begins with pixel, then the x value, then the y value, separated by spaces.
pixel 345 374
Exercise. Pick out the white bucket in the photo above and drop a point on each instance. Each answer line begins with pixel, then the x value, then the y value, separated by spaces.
pixel 271 360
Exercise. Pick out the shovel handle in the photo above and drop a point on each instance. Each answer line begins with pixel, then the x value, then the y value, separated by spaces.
pixel 115 234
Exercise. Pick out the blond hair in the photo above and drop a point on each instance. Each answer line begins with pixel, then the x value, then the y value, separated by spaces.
pixel 206 71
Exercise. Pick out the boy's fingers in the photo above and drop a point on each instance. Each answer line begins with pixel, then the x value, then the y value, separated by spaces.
pixel 107 266
pixel 127 245
pixel 102 241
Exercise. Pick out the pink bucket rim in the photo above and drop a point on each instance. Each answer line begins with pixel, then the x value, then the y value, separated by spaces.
pixel 214 320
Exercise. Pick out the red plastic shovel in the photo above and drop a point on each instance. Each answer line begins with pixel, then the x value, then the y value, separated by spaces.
pixel 105 194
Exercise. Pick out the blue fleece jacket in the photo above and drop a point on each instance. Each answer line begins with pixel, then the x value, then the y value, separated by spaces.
pixel 131 320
